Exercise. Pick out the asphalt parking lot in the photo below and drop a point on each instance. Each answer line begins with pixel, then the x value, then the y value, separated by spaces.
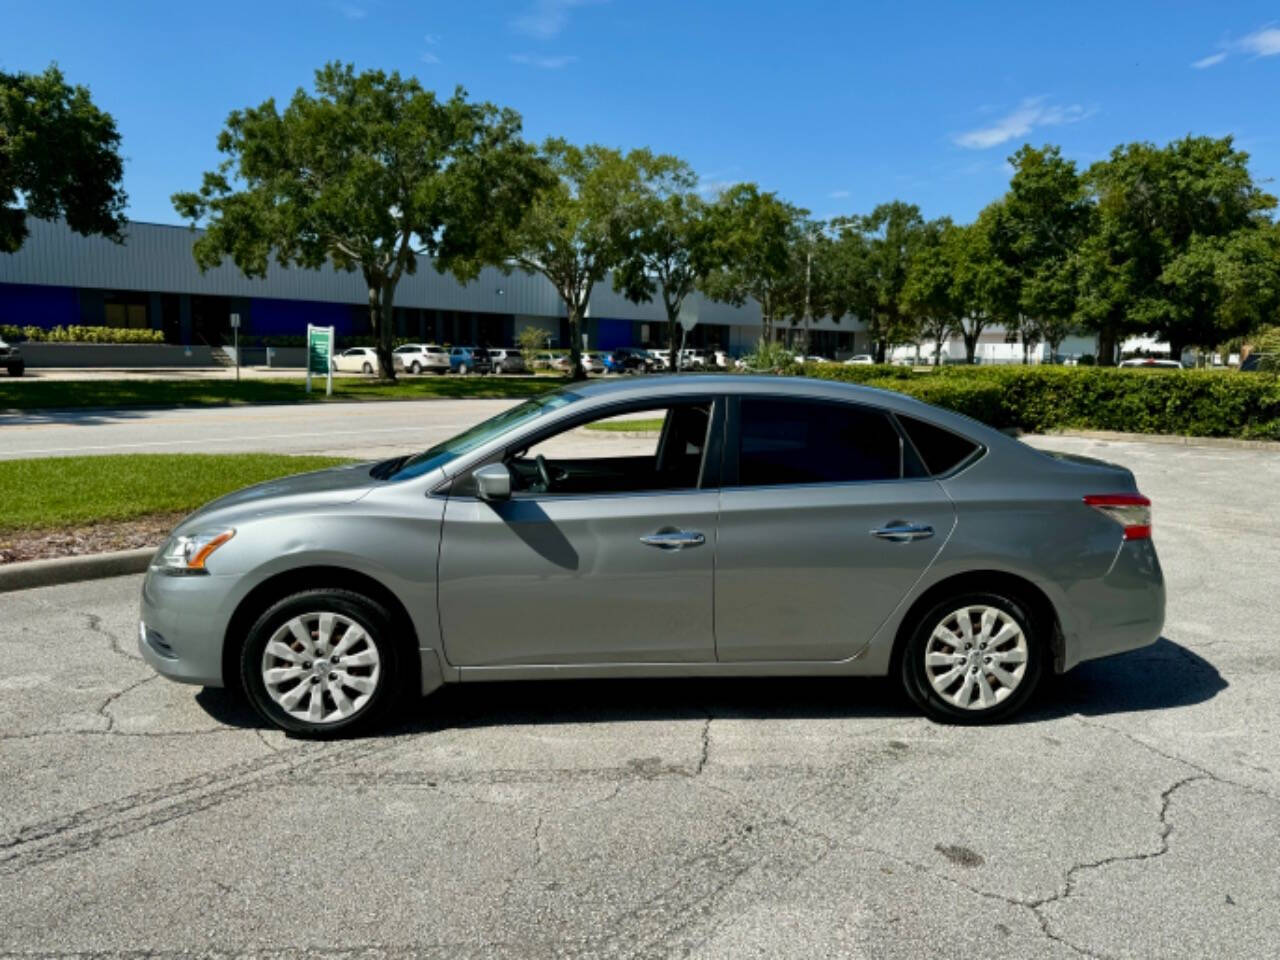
pixel 1134 812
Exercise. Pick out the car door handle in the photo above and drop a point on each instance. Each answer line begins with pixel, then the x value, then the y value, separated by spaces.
pixel 674 539
pixel 903 532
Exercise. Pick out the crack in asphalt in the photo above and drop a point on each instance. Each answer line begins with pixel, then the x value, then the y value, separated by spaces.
pixel 706 746
pixel 93 622
pixel 110 718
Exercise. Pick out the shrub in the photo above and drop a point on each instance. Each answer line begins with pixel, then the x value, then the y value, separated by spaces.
pixel 771 355
pixel 75 333
pixel 1201 403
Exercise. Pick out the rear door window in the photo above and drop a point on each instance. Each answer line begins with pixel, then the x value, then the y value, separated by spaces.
pixel 794 441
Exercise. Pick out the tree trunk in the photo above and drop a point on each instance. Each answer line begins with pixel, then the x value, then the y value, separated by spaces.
pixel 381 301
pixel 673 343
pixel 881 348
pixel 577 313
pixel 1106 347
pixel 970 345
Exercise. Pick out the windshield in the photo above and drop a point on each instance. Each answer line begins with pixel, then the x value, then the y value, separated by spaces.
pixel 477 436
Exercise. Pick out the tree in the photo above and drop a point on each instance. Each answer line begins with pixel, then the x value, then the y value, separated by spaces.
pixel 889 233
pixel 581 223
pixel 671 247
pixel 986 287
pixel 59 157
pixel 929 293
pixel 1155 207
pixel 754 233
pixel 1047 215
pixel 531 340
pixel 369 172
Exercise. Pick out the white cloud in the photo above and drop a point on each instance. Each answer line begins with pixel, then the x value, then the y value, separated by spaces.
pixel 546 18
pixel 431 39
pixel 350 10
pixel 1031 113
pixel 1263 43
pixel 838 194
pixel 1210 61
pixel 430 57
pixel 544 63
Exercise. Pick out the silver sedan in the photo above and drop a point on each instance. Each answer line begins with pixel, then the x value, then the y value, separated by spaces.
pixel 744 526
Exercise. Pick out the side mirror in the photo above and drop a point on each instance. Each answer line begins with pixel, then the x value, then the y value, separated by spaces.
pixel 493 482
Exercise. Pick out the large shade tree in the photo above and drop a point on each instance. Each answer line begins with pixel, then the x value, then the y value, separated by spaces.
pixel 59 157
pixel 671 246
pixel 581 224
pixel 1169 218
pixel 368 172
pixel 930 294
pixel 881 244
pixel 755 240
pixel 1047 216
pixel 986 288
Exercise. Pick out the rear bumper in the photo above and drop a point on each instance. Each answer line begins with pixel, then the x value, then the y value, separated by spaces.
pixel 1121 611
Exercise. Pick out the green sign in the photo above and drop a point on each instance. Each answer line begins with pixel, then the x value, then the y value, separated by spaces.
pixel 319 349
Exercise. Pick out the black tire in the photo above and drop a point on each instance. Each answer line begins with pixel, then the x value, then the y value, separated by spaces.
pixel 415 367
pixel 367 368
pixel 915 673
pixel 17 369
pixel 376 621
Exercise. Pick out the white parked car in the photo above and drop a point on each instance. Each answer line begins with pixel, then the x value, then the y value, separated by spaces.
pixel 1150 363
pixel 661 359
pixel 692 359
pixel 722 359
pixel 861 359
pixel 812 358
pixel 592 363
pixel 551 361
pixel 356 360
pixel 421 358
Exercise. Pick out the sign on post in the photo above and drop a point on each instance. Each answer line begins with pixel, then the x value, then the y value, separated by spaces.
pixel 320 355
pixel 235 332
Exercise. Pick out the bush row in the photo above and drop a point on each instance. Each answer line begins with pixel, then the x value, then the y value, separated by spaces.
pixel 1200 403
pixel 79 334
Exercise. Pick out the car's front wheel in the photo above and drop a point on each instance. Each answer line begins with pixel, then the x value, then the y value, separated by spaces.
pixel 415 367
pixel 367 368
pixel 975 657
pixel 322 663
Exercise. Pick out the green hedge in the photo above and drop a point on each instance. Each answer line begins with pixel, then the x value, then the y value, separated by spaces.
pixel 79 334
pixel 1201 403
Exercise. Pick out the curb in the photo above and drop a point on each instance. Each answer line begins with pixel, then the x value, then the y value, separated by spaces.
pixel 1167 439
pixel 56 570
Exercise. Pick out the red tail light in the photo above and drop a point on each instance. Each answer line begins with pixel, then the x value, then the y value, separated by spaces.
pixel 1131 510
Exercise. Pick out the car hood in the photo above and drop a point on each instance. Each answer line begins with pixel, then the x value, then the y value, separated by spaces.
pixel 303 491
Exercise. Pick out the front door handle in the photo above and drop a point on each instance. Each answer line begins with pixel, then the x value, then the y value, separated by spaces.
pixel 903 532
pixel 674 539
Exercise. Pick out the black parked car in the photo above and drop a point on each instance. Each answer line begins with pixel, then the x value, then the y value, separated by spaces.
pixel 630 360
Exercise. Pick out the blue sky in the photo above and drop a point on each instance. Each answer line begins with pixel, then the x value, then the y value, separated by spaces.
pixel 837 106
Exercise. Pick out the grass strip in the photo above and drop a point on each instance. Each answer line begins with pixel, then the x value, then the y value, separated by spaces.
pixel 59 492
pixel 67 394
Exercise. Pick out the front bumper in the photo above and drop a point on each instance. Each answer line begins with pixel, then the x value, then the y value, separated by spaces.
pixel 183 623
pixel 1121 611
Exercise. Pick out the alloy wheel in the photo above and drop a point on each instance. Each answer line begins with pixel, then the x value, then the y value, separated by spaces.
pixel 976 657
pixel 321 667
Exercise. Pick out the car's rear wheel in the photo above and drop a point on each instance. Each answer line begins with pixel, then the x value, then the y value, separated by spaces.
pixel 415 367
pixel 367 368
pixel 322 663
pixel 975 657
pixel 462 368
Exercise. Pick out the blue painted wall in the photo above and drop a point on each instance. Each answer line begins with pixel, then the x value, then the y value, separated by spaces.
pixel 612 334
pixel 275 318
pixel 33 305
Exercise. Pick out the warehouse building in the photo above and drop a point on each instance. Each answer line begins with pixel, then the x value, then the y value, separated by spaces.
pixel 151 281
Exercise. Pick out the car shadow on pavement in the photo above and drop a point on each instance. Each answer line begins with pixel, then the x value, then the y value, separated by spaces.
pixel 1161 676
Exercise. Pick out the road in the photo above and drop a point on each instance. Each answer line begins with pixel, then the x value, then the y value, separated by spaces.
pixel 1133 813
pixel 367 429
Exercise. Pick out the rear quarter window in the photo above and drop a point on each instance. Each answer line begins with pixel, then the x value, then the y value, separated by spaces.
pixel 940 450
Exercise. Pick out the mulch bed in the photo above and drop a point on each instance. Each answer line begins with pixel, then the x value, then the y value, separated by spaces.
pixel 17 546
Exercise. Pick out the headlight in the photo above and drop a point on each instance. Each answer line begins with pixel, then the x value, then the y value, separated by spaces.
pixel 187 554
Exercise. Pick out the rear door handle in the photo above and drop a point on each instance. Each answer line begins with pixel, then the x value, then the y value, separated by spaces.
pixel 674 539
pixel 903 532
